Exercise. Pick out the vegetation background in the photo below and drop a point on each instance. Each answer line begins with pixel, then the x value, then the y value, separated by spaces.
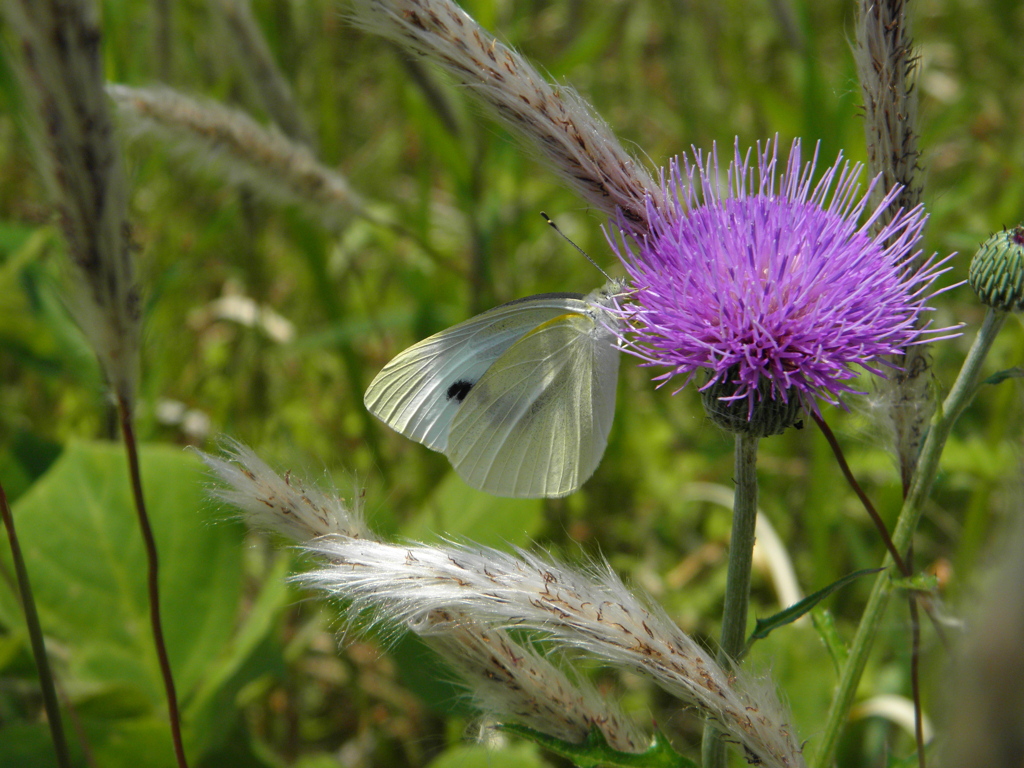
pixel 262 678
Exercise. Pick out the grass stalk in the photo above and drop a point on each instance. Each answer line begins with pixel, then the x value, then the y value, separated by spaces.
pixel 35 634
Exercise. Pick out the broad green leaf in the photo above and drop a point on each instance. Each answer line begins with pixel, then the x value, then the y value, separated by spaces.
pixel 321 760
pixel 765 626
pixel 424 673
pixel 13 235
pixel 145 741
pixel 457 511
pixel 28 745
pixel 126 743
pixel 27 456
pixel 479 756
pixel 85 557
pixel 211 710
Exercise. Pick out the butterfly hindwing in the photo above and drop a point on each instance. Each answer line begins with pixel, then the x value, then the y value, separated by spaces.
pixel 536 423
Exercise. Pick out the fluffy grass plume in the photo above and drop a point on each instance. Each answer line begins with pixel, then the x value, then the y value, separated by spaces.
pixel 553 120
pixel 61 67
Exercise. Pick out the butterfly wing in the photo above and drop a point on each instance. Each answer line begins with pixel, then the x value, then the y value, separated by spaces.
pixel 418 393
pixel 536 423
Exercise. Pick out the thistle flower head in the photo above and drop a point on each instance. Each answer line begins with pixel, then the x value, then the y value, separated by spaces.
pixel 770 282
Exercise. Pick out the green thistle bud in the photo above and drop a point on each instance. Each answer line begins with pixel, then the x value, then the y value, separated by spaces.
pixel 769 415
pixel 997 270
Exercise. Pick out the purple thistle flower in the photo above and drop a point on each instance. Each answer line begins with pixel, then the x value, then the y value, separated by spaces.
pixel 770 283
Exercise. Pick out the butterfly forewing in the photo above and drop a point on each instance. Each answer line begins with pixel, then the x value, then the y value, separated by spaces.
pixel 418 393
pixel 537 422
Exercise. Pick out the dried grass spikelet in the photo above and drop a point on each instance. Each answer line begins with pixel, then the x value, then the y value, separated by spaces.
pixel 263 77
pixel 512 681
pixel 553 120
pixel 591 613
pixel 284 505
pixel 887 66
pixel 61 68
pixel 507 680
pixel 229 141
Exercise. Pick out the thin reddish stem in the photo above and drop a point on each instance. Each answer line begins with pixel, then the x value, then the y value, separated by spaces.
pixel 152 582
pixel 872 512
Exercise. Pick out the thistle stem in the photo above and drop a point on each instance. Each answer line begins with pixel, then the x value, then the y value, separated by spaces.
pixel 152 581
pixel 737 585
pixel 35 633
pixel 962 392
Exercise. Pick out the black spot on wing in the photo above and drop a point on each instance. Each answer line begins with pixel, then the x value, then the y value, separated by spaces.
pixel 459 390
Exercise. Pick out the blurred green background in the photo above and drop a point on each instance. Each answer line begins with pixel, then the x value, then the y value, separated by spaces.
pixel 263 680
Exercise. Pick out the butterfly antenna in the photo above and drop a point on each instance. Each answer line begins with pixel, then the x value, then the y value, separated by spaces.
pixel 570 242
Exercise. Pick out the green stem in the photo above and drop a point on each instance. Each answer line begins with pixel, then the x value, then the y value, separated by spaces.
pixel 737 585
pixel 35 633
pixel 962 392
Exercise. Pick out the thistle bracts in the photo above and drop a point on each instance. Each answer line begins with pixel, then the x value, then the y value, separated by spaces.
pixel 997 271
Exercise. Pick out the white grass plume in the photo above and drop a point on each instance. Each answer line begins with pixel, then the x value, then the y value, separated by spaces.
pixel 284 505
pixel 230 142
pixel 512 681
pixel 61 68
pixel 507 680
pixel 554 120
pixel 264 80
pixel 592 613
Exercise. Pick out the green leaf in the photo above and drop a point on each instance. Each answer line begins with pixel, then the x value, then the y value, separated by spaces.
pixel 825 625
pixel 13 235
pixel 29 745
pixel 112 744
pixel 141 741
pixel 85 556
pixel 211 709
pixel 595 752
pixel 24 460
pixel 457 511
pixel 36 327
pixel 424 673
pixel 765 626
pixel 1000 376
pixel 479 756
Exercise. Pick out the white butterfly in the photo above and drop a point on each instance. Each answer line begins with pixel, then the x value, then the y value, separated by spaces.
pixel 520 398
